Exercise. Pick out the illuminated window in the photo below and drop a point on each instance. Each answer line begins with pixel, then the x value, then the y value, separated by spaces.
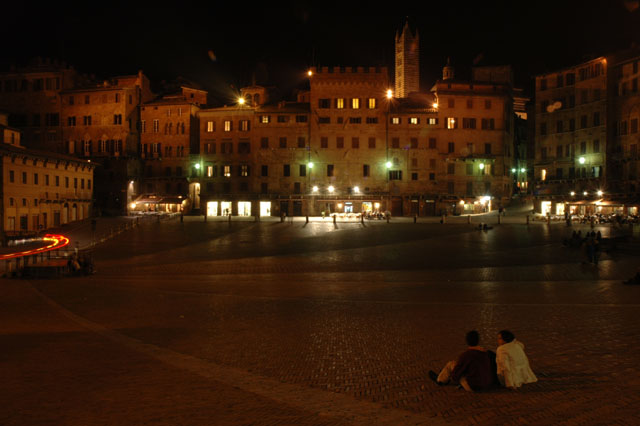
pixel 433 121
pixel 340 103
pixel 395 120
pixel 414 120
pixel 227 125
pixel 355 103
pixel 226 171
pixel 210 126
pixel 244 125
pixel 543 174
pixel 209 171
pixel 244 170
pixel 156 126
pixel 452 123
pixel 372 103
pixel 265 119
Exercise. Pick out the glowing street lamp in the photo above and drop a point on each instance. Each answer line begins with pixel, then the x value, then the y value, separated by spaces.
pixel 241 101
pixel 197 166
pixel 356 189
pixel 585 193
pixel 600 193
pixel 310 165
pixel 573 193
pixel 481 165
pixel 582 160
pixel 388 164
pixel 309 73
pixel 389 94
pixel 522 170
pixel 331 188
pixel 513 170
pixel 315 188
pixel 435 105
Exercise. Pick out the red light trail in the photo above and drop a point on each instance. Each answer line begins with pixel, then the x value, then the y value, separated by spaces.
pixel 57 242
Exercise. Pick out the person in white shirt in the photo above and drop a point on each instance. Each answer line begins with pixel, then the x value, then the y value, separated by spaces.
pixel 513 364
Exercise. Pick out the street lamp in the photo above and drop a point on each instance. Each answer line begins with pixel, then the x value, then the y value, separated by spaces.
pixel 331 189
pixel 600 193
pixel 241 101
pixel 573 193
pixel 582 160
pixel 356 189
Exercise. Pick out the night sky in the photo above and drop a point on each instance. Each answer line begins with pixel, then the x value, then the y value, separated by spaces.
pixel 221 45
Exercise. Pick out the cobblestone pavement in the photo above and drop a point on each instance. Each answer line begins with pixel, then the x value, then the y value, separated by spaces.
pixel 312 324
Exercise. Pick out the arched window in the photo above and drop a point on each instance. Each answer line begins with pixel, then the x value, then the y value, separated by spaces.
pixel 256 99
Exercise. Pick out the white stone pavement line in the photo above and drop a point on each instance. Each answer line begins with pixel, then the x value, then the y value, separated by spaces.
pixel 361 300
pixel 322 403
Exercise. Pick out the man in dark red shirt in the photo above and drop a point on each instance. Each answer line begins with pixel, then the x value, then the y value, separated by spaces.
pixel 472 370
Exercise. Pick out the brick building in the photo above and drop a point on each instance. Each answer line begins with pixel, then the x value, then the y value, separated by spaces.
pixel 30 95
pixel 407 62
pixel 346 147
pixel 101 122
pixel 169 138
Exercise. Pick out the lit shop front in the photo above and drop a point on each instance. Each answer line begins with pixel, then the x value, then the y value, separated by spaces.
pixel 238 208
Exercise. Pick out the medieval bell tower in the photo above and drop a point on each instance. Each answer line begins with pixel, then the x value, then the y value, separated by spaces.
pixel 407 62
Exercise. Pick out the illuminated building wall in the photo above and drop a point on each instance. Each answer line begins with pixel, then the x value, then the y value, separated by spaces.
pixel 42 190
pixel 571 129
pixel 169 137
pixel 407 62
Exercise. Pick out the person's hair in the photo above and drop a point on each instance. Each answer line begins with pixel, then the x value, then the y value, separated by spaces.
pixel 473 338
pixel 507 336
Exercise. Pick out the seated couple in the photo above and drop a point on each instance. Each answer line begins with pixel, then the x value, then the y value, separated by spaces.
pixel 478 369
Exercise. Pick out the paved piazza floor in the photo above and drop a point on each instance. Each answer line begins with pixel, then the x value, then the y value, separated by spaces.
pixel 314 324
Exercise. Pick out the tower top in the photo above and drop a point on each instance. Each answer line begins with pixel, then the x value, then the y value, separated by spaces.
pixel 448 71
pixel 407 61
pixel 406 31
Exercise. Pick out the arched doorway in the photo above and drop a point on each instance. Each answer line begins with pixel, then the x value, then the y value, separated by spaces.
pixel 74 213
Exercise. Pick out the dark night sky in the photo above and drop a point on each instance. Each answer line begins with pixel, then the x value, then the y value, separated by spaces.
pixel 279 43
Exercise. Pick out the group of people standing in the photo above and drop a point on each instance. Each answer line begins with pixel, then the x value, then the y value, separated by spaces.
pixel 478 369
pixel 591 242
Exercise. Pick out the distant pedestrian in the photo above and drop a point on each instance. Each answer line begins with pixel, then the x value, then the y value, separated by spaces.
pixel 512 363
pixel 472 370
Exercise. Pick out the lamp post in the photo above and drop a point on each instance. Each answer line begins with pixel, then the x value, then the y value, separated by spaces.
pixel 387 164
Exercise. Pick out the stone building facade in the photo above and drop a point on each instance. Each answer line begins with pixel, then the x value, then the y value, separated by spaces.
pixel 571 130
pixel 624 113
pixel 586 136
pixel 41 189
